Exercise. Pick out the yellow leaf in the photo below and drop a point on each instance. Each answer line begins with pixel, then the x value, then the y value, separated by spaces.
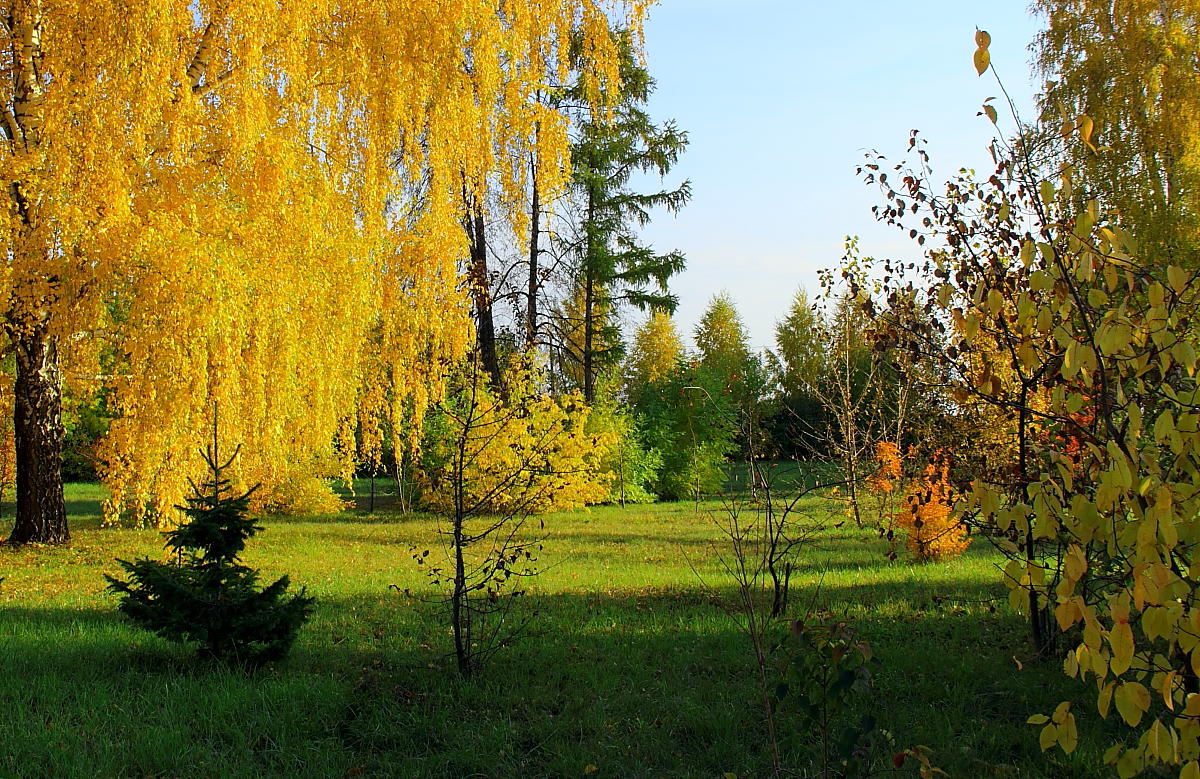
pixel 1085 128
pixel 1168 689
pixel 983 39
pixel 982 59
pixel 1177 277
pixel 1048 737
pixel 1133 700
pixel 1068 736
pixel 1121 639
pixel 1105 698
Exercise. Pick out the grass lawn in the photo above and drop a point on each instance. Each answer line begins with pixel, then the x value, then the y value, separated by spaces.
pixel 632 667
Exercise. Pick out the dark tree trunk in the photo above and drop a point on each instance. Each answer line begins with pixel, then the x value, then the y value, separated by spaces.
pixel 531 314
pixel 485 325
pixel 38 428
pixel 589 338
pixel 589 311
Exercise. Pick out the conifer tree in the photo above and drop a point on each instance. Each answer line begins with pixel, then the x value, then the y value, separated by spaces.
pixel 206 595
pixel 612 268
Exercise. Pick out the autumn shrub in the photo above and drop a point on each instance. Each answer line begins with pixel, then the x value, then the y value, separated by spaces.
pixel 526 450
pixel 884 488
pixel 887 467
pixel 935 531
pixel 300 494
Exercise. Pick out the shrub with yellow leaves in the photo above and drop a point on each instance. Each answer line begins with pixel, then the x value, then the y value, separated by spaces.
pixel 301 494
pixel 525 451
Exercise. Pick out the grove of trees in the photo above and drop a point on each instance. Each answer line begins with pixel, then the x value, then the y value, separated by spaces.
pixel 406 237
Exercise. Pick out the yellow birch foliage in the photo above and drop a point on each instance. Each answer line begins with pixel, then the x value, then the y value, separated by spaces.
pixel 1121 77
pixel 248 202
pixel 525 453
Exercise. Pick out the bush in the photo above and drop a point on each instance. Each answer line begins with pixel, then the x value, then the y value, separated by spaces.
pixel 628 462
pixel 935 532
pixel 301 494
pixel 527 451
pixel 689 417
pixel 206 595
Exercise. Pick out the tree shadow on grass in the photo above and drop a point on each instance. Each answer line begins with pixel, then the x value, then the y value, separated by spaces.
pixel 657 682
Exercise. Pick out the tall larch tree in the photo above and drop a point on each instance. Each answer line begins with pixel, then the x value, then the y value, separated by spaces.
pixel 801 346
pixel 723 342
pixel 235 202
pixel 612 268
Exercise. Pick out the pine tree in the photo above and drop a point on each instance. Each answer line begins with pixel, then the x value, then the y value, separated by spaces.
pixel 206 595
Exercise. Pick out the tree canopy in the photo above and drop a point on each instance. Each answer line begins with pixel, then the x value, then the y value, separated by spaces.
pixel 239 204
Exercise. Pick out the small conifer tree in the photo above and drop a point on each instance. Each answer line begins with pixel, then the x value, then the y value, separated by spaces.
pixel 206 595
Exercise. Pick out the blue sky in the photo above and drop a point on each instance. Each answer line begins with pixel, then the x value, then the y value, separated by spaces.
pixel 781 98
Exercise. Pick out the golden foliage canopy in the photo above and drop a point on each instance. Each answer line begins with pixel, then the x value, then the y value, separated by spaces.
pixel 521 454
pixel 240 204
pixel 657 348
pixel 1121 77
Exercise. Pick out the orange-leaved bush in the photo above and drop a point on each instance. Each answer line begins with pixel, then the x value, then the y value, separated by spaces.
pixel 935 531
pixel 887 467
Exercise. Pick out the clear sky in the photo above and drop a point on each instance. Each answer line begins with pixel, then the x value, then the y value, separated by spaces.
pixel 781 98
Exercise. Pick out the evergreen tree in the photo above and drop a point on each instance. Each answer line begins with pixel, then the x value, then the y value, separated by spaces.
pixel 207 595
pixel 611 267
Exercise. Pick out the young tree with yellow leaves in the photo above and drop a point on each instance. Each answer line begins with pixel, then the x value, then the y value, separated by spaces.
pixel 233 196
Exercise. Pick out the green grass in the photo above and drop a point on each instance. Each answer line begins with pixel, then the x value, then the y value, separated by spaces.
pixel 632 667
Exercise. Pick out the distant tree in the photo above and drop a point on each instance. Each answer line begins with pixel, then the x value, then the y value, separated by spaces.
pixel 692 421
pixel 802 351
pixel 798 428
pixel 723 342
pixel 657 350
pixel 746 378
